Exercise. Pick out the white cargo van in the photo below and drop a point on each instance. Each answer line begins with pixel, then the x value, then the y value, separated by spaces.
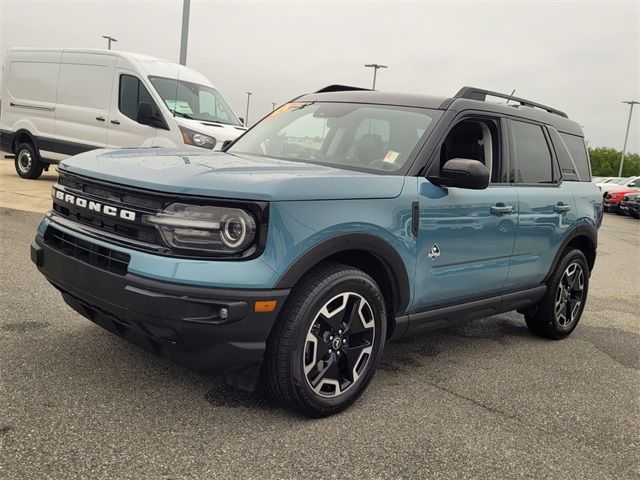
pixel 59 102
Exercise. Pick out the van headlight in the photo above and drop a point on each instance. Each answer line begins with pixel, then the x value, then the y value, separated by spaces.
pixel 205 228
pixel 191 137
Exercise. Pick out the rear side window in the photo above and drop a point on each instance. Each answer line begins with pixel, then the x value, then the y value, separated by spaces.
pixel 567 164
pixel 132 94
pixel 532 155
pixel 578 151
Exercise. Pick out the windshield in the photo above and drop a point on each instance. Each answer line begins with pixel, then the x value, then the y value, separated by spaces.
pixel 194 101
pixel 620 181
pixel 369 137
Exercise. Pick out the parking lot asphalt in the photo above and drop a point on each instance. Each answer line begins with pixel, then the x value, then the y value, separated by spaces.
pixel 21 194
pixel 485 400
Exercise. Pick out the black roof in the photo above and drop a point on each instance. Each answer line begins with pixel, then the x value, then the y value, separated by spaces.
pixel 474 101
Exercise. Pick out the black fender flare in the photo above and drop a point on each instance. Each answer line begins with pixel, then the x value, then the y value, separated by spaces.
pixel 583 230
pixel 382 250
pixel 23 131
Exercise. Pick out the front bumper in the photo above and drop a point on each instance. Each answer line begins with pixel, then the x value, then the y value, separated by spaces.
pixel 182 323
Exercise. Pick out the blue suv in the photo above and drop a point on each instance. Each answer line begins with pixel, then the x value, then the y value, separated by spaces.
pixel 345 219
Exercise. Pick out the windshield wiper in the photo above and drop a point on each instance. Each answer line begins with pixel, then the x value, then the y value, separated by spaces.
pixel 183 115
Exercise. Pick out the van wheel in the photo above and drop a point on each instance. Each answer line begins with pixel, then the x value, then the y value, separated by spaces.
pixel 559 312
pixel 28 164
pixel 327 343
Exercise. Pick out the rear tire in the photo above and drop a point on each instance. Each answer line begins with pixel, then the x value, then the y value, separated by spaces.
pixel 27 161
pixel 327 343
pixel 559 312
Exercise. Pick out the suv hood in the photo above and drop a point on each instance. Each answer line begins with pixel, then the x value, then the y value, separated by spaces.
pixel 223 175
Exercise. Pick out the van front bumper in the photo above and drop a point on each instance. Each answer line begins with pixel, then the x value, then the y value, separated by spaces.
pixel 207 330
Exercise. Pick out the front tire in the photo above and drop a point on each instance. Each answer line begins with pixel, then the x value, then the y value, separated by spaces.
pixel 559 312
pixel 27 161
pixel 327 343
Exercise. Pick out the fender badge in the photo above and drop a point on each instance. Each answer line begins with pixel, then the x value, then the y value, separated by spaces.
pixel 434 252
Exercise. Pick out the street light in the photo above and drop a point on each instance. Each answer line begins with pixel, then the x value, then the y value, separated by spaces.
pixel 626 136
pixel 246 117
pixel 109 40
pixel 184 37
pixel 375 67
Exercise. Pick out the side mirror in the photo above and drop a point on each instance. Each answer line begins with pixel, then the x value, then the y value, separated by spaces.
pixel 147 116
pixel 241 121
pixel 462 173
pixel 226 145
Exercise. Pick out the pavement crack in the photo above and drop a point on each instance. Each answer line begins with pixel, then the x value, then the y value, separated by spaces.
pixel 489 408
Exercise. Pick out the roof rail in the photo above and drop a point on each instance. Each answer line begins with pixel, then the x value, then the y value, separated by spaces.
pixel 473 93
pixel 339 88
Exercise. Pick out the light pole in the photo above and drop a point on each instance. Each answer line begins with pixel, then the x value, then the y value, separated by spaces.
pixel 184 38
pixel 246 117
pixel 626 136
pixel 109 40
pixel 375 67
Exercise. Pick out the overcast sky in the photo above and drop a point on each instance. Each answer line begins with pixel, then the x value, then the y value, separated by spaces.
pixel 580 57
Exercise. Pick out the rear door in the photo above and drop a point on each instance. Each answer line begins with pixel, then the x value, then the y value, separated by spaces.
pixel 546 204
pixel 83 97
pixel 466 237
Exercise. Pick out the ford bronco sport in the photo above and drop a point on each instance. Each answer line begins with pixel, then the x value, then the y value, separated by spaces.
pixel 345 219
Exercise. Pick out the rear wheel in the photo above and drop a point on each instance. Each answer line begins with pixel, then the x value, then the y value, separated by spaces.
pixel 560 310
pixel 27 161
pixel 328 341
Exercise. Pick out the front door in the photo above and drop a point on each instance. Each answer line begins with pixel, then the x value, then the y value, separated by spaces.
pixel 466 237
pixel 124 129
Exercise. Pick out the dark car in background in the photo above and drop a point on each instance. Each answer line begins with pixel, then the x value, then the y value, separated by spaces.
pixel 630 205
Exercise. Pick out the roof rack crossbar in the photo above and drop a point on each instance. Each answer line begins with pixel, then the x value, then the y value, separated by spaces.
pixel 473 93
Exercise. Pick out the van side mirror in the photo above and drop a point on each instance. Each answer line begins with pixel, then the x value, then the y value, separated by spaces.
pixel 147 116
pixel 462 173
pixel 241 121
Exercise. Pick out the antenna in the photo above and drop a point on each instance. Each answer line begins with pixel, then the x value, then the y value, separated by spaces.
pixel 514 91
pixel 175 97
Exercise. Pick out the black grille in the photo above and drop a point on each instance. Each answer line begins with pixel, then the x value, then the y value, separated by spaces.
pixel 120 197
pixel 87 252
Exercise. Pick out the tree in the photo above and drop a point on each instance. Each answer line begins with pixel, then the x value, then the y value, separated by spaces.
pixel 605 162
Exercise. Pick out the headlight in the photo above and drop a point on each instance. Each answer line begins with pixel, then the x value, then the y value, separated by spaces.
pixel 191 137
pixel 206 228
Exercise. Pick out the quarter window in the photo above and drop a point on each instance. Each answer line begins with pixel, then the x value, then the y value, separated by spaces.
pixel 132 94
pixel 578 152
pixel 532 155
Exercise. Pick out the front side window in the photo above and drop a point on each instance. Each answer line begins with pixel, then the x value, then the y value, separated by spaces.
pixel 366 137
pixel 532 155
pixel 132 93
pixel 194 101
pixel 476 139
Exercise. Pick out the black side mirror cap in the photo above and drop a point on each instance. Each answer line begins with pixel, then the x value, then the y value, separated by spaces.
pixel 147 115
pixel 462 173
pixel 226 144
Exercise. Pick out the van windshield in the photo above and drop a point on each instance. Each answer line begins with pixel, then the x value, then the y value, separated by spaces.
pixel 375 138
pixel 194 101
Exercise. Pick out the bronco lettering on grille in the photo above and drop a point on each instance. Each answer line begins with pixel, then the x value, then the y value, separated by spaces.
pixel 94 206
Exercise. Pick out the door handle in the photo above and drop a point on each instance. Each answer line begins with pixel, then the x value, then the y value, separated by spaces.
pixel 501 208
pixel 561 207
pixel 115 122
pixel 100 119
